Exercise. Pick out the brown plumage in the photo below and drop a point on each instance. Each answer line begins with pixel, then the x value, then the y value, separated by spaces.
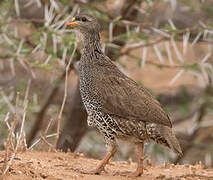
pixel 117 105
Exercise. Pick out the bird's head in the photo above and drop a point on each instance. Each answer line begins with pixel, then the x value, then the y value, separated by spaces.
pixel 84 23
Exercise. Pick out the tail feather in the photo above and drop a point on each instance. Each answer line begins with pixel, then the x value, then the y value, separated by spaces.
pixel 170 138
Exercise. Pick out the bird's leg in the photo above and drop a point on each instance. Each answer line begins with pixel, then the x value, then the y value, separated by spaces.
pixel 139 169
pixel 103 163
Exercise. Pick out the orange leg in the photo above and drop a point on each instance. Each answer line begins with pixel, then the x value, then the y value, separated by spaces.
pixel 139 170
pixel 102 163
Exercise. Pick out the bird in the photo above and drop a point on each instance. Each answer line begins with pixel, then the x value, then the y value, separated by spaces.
pixel 116 105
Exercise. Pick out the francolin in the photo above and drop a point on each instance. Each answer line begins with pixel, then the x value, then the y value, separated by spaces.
pixel 119 107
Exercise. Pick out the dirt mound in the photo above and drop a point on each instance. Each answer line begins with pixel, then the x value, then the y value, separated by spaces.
pixel 59 165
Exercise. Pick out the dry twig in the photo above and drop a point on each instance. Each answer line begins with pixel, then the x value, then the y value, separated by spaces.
pixel 65 96
pixel 44 134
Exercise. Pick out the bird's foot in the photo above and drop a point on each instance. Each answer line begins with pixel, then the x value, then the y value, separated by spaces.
pixel 137 173
pixel 102 164
pixel 96 171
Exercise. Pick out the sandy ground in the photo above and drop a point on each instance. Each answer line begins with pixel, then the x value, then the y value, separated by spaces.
pixel 62 166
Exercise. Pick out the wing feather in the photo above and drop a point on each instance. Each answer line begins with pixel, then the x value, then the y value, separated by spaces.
pixel 123 97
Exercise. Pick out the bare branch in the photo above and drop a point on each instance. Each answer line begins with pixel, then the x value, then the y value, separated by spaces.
pixel 65 95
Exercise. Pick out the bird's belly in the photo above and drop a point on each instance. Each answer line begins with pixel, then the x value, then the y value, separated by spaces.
pixel 138 131
pixel 131 130
pixel 132 139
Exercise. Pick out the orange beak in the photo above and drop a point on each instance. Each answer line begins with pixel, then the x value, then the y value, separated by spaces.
pixel 72 24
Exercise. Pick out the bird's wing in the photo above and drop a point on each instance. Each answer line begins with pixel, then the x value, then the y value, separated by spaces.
pixel 123 97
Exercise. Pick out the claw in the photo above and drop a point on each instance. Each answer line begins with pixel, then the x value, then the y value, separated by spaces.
pixel 94 171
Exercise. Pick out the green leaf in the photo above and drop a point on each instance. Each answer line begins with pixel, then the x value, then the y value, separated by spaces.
pixel 64 2
pixel 36 37
pixel 194 67
pixel 45 66
pixel 144 37
pixel 167 27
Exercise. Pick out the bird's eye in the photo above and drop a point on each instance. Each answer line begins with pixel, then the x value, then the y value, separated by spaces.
pixel 77 18
pixel 84 19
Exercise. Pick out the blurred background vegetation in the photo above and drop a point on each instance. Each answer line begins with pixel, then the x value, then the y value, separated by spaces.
pixel 166 45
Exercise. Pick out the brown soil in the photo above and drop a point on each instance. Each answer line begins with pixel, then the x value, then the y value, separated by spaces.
pixel 59 165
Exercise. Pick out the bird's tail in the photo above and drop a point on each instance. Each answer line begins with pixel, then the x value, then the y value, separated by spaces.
pixel 171 140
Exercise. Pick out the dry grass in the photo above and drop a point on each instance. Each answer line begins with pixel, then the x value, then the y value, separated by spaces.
pixel 15 144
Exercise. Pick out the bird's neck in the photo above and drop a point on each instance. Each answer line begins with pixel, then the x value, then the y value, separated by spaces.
pixel 91 43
